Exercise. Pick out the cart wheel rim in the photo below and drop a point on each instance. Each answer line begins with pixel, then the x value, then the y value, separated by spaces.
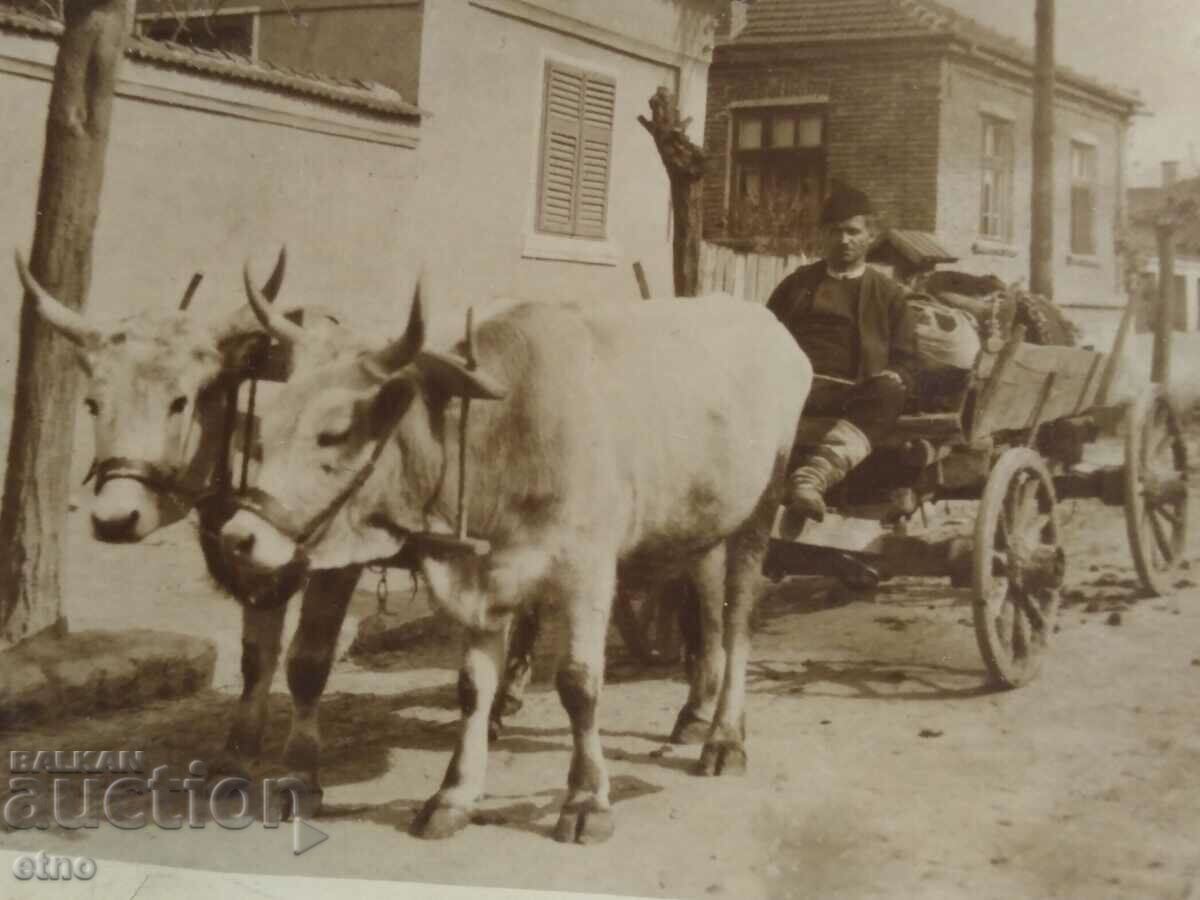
pixel 1156 490
pixel 1018 567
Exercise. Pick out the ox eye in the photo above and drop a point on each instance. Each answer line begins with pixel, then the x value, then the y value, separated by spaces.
pixel 178 405
pixel 92 406
pixel 332 438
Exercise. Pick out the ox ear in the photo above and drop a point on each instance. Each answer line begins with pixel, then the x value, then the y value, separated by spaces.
pixel 451 377
pixel 388 404
pixel 240 339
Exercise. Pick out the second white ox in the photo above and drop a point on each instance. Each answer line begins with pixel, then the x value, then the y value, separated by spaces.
pixel 630 441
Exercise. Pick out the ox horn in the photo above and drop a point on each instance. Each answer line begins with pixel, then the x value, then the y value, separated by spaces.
pixel 188 294
pixel 287 332
pixel 270 290
pixel 66 321
pixel 398 354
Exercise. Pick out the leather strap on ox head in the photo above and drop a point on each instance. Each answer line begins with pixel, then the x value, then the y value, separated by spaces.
pixel 159 478
pixel 302 532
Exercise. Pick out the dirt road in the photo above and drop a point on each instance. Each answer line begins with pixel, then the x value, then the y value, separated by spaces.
pixel 879 767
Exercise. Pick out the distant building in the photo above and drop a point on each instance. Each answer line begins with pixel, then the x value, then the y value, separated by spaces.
pixel 926 110
pixel 1145 204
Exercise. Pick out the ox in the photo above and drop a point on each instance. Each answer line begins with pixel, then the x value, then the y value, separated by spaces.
pixel 624 442
pixel 156 392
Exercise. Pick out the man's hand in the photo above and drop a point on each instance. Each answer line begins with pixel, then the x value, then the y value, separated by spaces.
pixel 894 376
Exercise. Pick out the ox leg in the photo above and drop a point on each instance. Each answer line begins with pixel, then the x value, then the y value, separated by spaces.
pixel 449 810
pixel 262 633
pixel 517 669
pixel 707 671
pixel 586 816
pixel 725 750
pixel 310 657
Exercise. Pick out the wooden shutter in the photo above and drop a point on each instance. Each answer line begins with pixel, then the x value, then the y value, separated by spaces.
pixel 561 131
pixel 599 99
pixel 576 152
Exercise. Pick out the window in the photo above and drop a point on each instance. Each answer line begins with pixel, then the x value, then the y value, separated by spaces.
pixel 577 130
pixel 233 32
pixel 1083 199
pixel 995 214
pixel 778 172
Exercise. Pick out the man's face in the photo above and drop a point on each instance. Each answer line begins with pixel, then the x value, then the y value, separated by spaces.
pixel 847 242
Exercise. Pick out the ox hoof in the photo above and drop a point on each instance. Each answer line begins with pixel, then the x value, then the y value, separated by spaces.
pixel 724 758
pixel 229 764
pixel 511 703
pixel 583 823
pixel 301 801
pixel 437 820
pixel 690 728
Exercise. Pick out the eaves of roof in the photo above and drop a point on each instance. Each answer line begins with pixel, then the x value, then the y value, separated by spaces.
pixel 817 23
pixel 370 97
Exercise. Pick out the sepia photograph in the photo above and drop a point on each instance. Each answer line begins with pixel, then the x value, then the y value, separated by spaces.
pixel 509 449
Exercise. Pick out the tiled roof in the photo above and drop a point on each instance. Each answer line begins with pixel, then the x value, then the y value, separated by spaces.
pixel 370 96
pixel 834 21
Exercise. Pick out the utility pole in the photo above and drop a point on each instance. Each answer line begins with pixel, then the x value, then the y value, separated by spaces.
pixel 1164 318
pixel 1041 241
pixel 37 481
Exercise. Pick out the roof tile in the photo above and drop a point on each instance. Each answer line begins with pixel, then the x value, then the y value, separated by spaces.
pixel 830 21
pixel 369 96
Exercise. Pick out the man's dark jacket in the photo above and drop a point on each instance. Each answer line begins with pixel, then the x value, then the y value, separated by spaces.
pixel 886 338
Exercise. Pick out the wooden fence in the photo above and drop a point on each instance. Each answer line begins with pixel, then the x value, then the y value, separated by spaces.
pixel 748 276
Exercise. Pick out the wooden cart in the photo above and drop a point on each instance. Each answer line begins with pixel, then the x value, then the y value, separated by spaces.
pixel 1014 443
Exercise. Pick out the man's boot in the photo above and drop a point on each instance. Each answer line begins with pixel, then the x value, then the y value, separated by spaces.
pixel 843 448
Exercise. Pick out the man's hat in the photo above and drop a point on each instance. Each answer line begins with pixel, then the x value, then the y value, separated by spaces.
pixel 844 203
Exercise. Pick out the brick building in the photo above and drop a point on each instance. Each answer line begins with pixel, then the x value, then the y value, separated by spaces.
pixel 930 113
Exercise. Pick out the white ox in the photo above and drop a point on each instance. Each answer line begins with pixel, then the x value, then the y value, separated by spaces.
pixel 156 391
pixel 630 440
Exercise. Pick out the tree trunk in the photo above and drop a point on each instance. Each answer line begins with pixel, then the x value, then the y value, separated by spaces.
pixel 1041 239
pixel 684 162
pixel 36 488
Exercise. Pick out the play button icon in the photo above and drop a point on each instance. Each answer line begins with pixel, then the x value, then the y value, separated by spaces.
pixel 305 836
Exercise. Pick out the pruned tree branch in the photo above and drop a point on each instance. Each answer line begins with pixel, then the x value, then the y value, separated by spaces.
pixel 684 162
pixel 681 157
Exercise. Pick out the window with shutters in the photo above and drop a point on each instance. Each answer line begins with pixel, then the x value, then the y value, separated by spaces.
pixel 996 188
pixel 1083 198
pixel 577 125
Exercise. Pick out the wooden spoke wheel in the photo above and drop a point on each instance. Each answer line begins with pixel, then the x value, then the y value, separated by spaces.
pixel 649 623
pixel 1156 489
pixel 1017 567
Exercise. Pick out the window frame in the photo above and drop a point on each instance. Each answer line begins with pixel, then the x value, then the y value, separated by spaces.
pixel 577 229
pixel 995 220
pixel 767 155
pixel 1081 185
pixel 253 13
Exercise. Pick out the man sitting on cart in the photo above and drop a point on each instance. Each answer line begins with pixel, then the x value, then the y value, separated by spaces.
pixel 851 321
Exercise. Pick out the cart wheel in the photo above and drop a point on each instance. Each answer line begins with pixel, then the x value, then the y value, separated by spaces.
pixel 1156 489
pixel 1018 567
pixel 649 624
